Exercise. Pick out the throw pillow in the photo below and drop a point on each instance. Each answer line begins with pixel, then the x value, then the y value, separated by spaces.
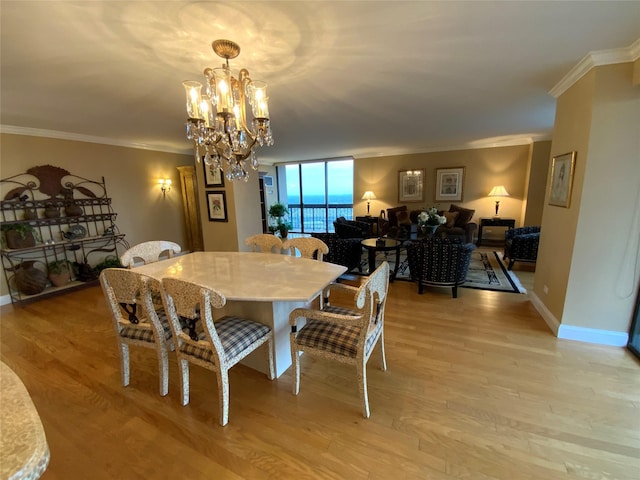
pixel 391 215
pixel 451 218
pixel 464 215
pixel 403 218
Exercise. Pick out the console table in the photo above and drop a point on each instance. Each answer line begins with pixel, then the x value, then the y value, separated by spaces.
pixel 494 222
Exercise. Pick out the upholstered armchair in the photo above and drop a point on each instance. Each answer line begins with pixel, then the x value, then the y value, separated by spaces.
pixel 351 228
pixel 342 251
pixel 441 262
pixel 521 244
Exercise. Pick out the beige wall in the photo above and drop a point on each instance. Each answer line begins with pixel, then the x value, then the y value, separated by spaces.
pixel 536 183
pixel 484 168
pixel 588 257
pixel 131 177
pixel 243 214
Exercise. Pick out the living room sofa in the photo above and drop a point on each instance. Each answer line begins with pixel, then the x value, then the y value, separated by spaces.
pixel 400 222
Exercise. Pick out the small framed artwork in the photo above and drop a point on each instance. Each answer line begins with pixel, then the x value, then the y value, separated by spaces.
pixel 449 184
pixel 562 168
pixel 411 185
pixel 212 176
pixel 217 206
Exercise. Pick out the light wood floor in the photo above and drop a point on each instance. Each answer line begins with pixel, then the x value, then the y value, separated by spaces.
pixel 477 388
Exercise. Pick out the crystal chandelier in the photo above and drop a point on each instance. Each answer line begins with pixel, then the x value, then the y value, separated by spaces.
pixel 217 121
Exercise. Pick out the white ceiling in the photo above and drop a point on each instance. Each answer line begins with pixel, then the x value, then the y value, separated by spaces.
pixel 345 78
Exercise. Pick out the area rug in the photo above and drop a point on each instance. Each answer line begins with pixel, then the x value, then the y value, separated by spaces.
pixel 486 271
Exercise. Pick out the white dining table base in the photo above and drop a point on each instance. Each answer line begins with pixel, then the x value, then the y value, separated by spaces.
pixel 276 316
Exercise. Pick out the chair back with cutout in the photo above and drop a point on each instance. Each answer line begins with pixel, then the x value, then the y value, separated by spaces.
pixel 149 252
pixel 309 247
pixel 264 243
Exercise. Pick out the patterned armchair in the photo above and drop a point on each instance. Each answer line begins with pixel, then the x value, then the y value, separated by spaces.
pixel 342 251
pixel 442 262
pixel 351 228
pixel 521 244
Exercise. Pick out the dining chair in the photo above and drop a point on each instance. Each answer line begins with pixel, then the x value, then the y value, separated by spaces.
pixel 344 334
pixel 129 296
pixel 149 252
pixel 309 247
pixel 215 346
pixel 265 243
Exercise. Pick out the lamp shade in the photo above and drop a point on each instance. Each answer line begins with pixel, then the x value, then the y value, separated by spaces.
pixel 499 191
pixel 368 195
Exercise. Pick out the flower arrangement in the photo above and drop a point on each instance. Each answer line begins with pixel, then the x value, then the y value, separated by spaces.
pixel 431 217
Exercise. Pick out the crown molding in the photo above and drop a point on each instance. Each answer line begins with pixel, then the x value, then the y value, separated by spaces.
pixel 76 137
pixel 596 59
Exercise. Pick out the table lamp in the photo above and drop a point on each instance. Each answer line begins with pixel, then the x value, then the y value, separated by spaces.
pixel 498 191
pixel 368 196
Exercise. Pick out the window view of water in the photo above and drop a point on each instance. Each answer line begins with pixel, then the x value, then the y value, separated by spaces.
pixel 317 193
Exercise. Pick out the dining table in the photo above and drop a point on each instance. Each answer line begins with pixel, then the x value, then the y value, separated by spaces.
pixel 24 452
pixel 263 287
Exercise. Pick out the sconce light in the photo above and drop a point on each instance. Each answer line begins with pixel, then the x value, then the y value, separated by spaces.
pixel 368 196
pixel 165 185
pixel 498 191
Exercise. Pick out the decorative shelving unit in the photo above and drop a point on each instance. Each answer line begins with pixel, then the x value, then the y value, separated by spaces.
pixel 59 217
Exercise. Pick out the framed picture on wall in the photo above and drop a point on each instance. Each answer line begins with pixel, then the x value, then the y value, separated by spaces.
pixel 217 206
pixel 212 176
pixel 449 184
pixel 411 185
pixel 562 168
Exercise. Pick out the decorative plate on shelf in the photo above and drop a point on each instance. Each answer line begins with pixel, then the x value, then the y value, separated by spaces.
pixel 77 231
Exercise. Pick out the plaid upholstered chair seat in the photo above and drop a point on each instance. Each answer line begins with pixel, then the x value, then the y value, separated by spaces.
pixel 236 334
pixel 336 338
pixel 345 334
pixel 136 320
pixel 216 346
pixel 144 332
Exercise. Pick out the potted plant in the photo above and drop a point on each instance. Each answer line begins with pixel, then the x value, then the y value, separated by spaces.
pixel 19 235
pixel 278 212
pixel 60 272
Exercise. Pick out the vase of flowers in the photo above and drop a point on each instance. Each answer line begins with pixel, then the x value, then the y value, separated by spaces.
pixel 430 220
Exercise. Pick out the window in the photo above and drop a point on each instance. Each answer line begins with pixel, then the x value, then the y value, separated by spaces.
pixel 317 193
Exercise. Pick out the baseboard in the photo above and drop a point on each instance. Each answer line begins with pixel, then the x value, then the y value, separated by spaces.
pixel 5 300
pixel 593 335
pixel 580 334
pixel 551 321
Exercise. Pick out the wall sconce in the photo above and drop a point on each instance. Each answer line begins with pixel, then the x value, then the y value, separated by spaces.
pixel 498 191
pixel 368 196
pixel 165 185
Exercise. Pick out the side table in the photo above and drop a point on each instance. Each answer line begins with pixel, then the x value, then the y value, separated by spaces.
pixel 494 222
pixel 374 245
